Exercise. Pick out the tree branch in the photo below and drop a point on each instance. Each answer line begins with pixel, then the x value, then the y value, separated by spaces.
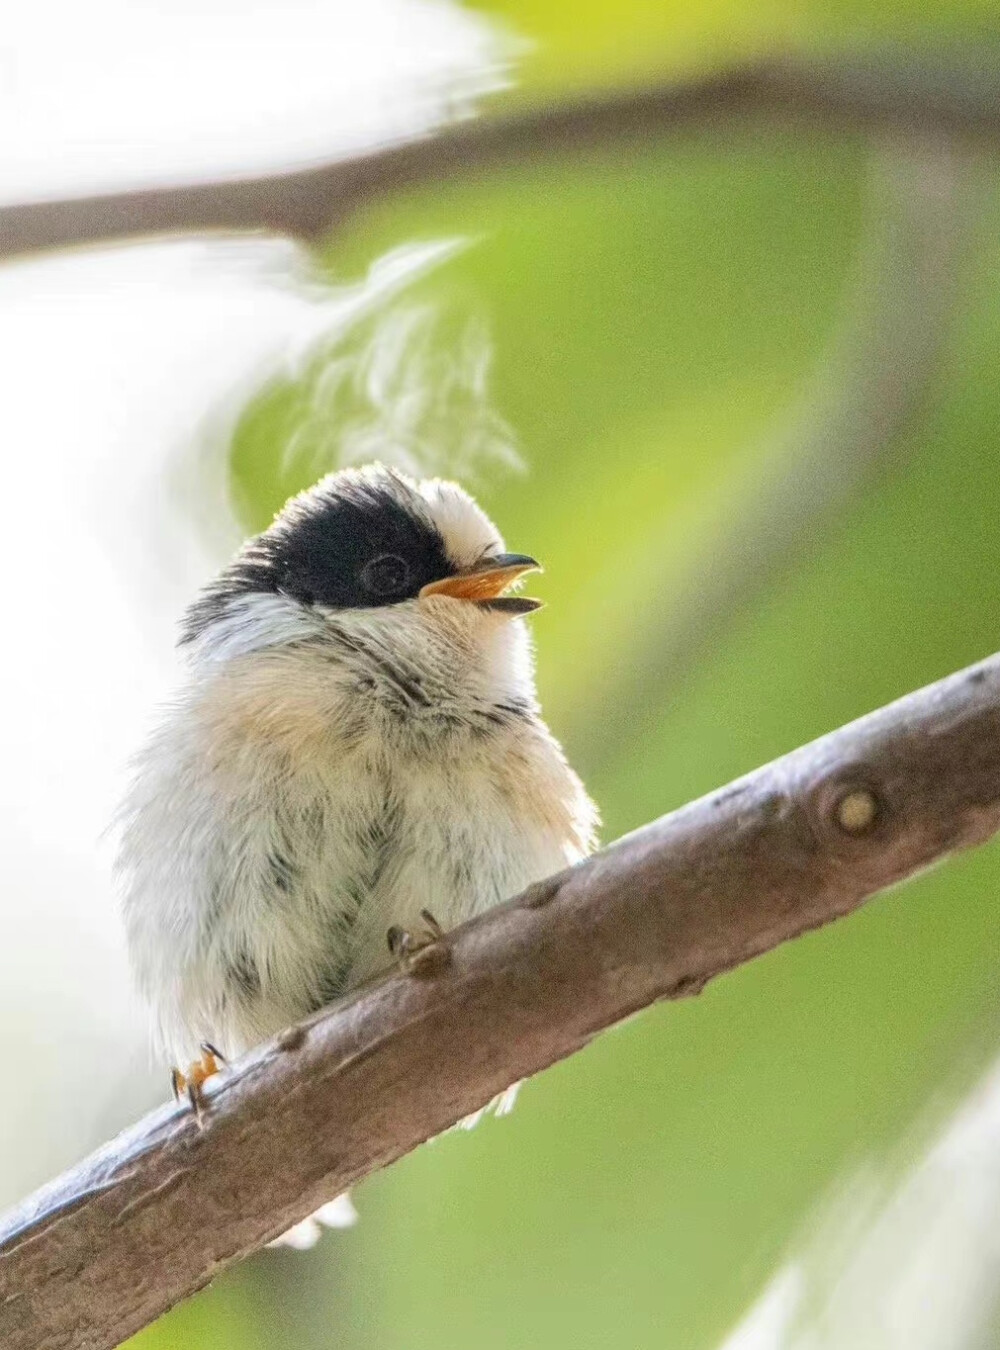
pixel 908 96
pixel 159 1211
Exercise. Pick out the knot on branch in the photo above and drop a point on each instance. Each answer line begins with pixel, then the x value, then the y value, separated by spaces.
pixel 848 807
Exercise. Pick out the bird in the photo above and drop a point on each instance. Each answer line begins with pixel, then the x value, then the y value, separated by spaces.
pixel 355 761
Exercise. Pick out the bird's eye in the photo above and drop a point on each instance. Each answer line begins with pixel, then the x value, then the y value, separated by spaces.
pixel 385 575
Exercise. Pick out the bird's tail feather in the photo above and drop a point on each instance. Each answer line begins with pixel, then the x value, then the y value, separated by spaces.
pixel 339 1213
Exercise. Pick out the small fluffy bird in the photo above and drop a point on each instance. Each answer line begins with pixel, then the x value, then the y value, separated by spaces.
pixel 358 744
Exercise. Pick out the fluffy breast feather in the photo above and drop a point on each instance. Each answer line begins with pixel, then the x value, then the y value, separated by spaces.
pixel 288 812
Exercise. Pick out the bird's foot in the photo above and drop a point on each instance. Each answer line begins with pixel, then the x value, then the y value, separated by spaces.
pixel 420 953
pixel 190 1083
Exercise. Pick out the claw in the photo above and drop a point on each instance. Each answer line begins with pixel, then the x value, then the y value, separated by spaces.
pixel 198 1071
pixel 434 929
pixel 419 954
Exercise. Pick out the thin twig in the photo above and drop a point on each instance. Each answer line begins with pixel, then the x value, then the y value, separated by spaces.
pixel 159 1211
pixel 897 93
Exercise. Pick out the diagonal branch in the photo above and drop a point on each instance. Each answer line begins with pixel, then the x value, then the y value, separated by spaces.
pixel 897 94
pixel 159 1211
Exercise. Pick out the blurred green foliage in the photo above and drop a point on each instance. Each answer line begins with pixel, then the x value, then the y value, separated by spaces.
pixel 654 316
pixel 590 44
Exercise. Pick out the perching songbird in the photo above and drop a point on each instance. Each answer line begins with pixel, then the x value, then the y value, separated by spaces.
pixel 358 744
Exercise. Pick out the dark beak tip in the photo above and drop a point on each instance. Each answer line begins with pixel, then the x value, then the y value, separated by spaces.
pixel 517 605
pixel 516 560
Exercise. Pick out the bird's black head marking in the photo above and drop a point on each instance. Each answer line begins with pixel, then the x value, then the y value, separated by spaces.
pixel 358 539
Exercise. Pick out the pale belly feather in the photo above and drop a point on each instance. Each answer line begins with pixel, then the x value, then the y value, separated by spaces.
pixel 264 877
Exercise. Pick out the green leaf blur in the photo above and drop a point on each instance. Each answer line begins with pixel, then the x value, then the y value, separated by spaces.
pixel 653 318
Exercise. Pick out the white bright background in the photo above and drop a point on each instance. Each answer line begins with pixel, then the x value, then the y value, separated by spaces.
pixel 119 370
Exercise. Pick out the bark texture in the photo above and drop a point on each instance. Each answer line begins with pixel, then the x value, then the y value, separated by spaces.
pixel 157 1212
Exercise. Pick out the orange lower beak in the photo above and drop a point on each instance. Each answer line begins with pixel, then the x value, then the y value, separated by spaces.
pixel 487 583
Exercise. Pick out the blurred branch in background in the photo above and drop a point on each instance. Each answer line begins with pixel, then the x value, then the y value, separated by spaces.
pixel 877 1242
pixel 162 1209
pixel 949 97
pixel 848 429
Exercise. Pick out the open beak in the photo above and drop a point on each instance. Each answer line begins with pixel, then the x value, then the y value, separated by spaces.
pixel 486 583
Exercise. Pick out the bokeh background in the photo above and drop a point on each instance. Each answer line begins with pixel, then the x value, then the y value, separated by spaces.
pixel 737 387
